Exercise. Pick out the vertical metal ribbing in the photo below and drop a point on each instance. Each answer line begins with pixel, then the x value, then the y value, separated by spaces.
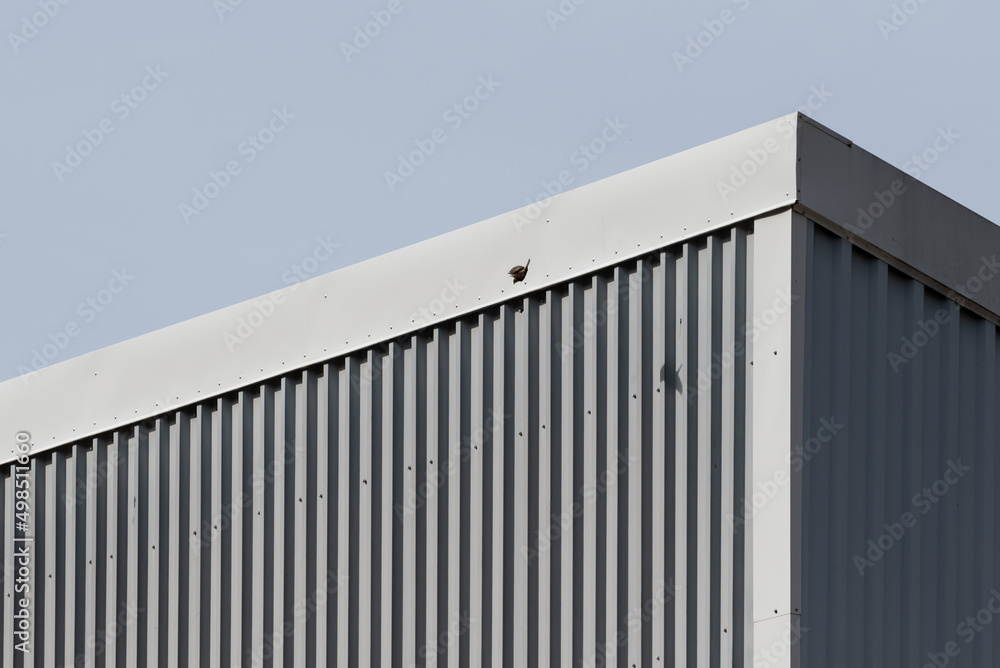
pixel 498 501
pixel 541 542
pixel 45 562
pixel 660 389
pixel 985 417
pixel 713 392
pixel 92 481
pixel 153 546
pixel 174 545
pixel 68 556
pixel 408 509
pixel 859 400
pixel 747 451
pixel 682 276
pixel 365 515
pixel 150 549
pixel 723 368
pixel 326 583
pixel 386 488
pixel 588 325
pixel 607 481
pixel 520 501
pixel 817 374
pixel 478 426
pixel 276 640
pixel 301 495
pixel 454 484
pixel 879 477
pixel 430 646
pixel 111 594
pixel 544 549
pixel 703 437
pixel 262 477
pixel 315 579
pixel 132 602
pixel 635 464
pixel 232 519
pixel 217 632
pixel 840 391
pixel 913 466
pixel 949 451
pixel 663 392
pixel 895 431
pixel 742 604
pixel 195 537
pixel 344 565
pixel 567 415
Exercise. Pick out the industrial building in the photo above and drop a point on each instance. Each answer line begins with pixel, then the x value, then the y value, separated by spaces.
pixel 741 411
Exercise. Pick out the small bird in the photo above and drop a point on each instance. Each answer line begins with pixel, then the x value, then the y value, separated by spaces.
pixel 520 272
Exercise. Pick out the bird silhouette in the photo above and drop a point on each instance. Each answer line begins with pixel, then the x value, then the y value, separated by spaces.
pixel 520 272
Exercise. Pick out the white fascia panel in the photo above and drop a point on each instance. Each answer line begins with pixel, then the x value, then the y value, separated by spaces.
pixel 714 185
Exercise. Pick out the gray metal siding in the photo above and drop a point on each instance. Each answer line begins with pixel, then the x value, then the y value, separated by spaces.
pixel 905 420
pixel 526 485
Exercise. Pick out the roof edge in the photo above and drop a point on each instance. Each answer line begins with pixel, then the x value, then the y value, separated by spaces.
pixel 893 215
pixel 573 233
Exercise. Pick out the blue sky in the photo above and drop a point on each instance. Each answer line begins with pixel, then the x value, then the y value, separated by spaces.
pixel 163 160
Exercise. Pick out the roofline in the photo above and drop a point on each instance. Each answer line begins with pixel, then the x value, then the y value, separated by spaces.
pixel 790 161
pixel 897 218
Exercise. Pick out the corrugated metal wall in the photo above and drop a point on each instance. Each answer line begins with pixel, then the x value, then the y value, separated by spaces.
pixel 551 481
pixel 900 469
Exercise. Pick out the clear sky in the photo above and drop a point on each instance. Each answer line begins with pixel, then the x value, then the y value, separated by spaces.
pixel 162 160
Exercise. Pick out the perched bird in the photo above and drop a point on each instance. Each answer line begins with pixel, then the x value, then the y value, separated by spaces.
pixel 520 272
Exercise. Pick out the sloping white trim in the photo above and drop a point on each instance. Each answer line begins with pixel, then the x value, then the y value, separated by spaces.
pixel 681 196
